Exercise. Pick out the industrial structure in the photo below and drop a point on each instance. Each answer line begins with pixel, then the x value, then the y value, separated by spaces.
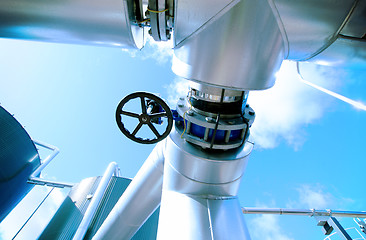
pixel 193 173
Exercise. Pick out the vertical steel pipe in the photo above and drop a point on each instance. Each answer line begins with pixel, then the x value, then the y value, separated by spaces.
pixel 199 192
pixel 97 197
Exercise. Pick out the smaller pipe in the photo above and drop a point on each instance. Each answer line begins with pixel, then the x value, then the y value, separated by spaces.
pixel 47 160
pixel 141 198
pixel 50 183
pixel 34 179
pixel 97 197
pixel 304 212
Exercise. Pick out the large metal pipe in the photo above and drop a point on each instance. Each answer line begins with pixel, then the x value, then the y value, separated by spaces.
pixel 242 49
pixel 138 202
pixel 112 169
pixel 199 192
pixel 87 22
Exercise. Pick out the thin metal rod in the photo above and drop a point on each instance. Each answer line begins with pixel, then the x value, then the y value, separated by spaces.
pixel 47 160
pixel 138 202
pixel 34 179
pixel 44 199
pixel 49 183
pixel 97 197
pixel 356 104
pixel 304 212
pixel 338 228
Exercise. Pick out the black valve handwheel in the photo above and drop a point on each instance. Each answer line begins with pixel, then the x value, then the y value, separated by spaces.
pixel 144 118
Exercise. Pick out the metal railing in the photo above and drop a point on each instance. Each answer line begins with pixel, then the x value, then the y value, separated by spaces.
pixel 34 179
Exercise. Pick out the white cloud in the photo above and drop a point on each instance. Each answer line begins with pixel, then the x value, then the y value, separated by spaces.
pixel 313 196
pixel 283 110
pixel 316 196
pixel 176 89
pixel 162 51
pixel 267 227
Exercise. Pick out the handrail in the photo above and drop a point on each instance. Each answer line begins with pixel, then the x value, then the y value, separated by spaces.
pixel 34 179
pixel 304 212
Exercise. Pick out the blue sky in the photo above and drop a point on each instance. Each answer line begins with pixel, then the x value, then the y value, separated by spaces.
pixel 310 148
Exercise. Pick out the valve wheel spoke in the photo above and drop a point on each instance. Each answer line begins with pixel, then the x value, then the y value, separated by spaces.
pixel 138 127
pixel 143 105
pixel 157 134
pixel 130 114
pixel 158 115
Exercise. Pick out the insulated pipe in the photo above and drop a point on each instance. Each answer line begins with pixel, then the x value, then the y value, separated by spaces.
pixel 241 50
pixel 97 197
pixel 304 212
pixel 199 197
pixel 138 202
pixel 92 22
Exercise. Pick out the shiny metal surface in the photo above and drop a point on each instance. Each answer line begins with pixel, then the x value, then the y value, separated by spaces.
pixel 205 167
pixel 181 184
pixel 213 94
pixel 95 22
pixel 345 52
pixel 238 50
pixel 18 159
pixel 311 25
pixel 356 25
pixel 211 121
pixel 232 123
pixel 96 199
pixel 199 192
pixel 190 11
pixel 141 198
pixel 162 20
pixel 196 217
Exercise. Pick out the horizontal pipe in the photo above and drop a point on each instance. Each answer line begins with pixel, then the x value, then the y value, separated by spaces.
pixel 304 212
pixel 97 197
pixel 50 183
